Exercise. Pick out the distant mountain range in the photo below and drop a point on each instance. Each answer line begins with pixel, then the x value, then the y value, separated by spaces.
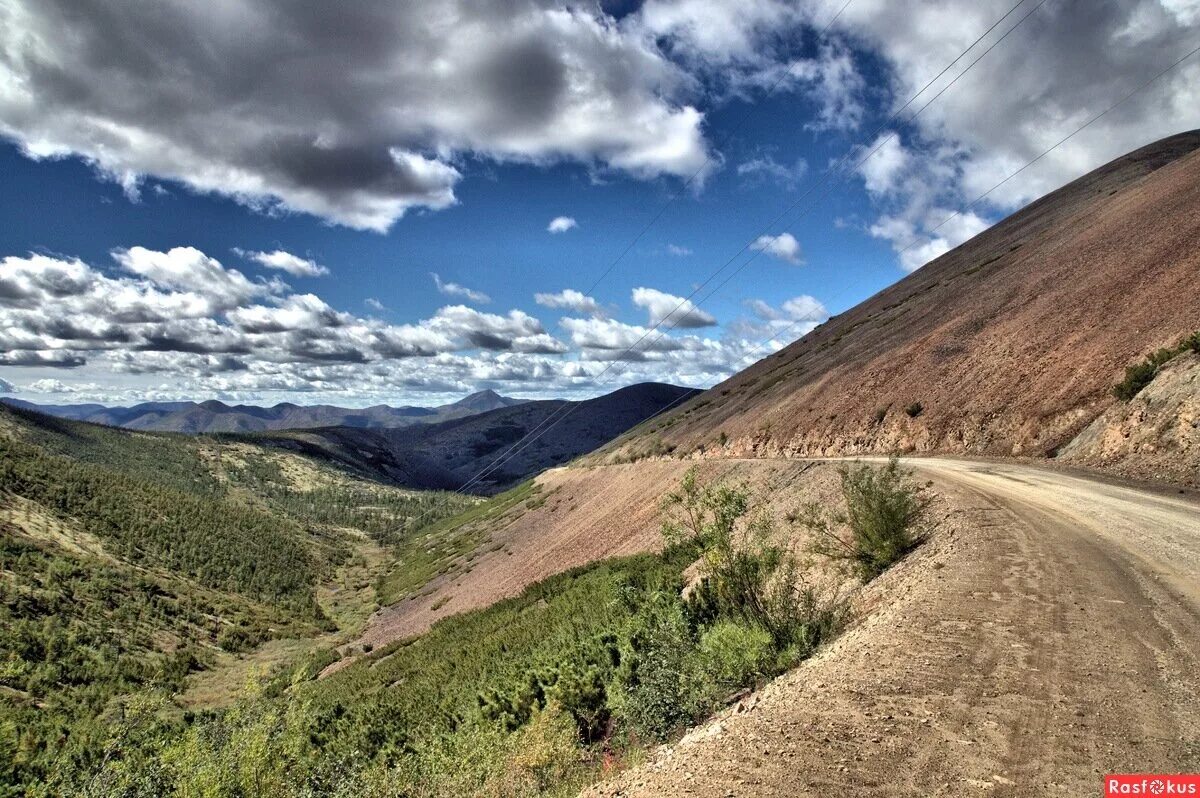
pixel 447 454
pixel 215 416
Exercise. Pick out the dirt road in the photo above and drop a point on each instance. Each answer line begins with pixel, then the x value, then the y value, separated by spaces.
pixel 1050 633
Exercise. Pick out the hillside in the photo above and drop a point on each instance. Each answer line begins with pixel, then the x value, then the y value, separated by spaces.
pixel 133 564
pixel 215 416
pixel 448 454
pixel 1008 345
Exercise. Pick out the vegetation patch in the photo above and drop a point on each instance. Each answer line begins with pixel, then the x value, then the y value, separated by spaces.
pixel 438 546
pixel 1139 375
pixel 885 518
pixel 535 695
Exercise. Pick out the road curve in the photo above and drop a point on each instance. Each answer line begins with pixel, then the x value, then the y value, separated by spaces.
pixel 1048 634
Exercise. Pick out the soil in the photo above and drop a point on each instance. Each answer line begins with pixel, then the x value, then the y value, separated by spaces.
pixel 1048 634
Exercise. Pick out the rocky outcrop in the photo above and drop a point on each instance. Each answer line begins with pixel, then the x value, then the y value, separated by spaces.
pixel 1155 435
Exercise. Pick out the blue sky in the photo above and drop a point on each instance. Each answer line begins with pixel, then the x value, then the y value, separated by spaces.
pixel 147 187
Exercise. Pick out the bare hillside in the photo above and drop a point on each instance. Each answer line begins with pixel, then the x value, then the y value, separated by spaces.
pixel 1008 345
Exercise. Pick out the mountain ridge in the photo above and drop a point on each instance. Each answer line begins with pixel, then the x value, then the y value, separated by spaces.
pixel 447 454
pixel 213 415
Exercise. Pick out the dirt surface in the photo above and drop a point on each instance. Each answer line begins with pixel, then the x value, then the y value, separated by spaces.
pixel 1007 345
pixel 581 515
pixel 1048 634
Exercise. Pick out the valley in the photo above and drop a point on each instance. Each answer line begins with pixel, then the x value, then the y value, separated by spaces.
pixel 945 544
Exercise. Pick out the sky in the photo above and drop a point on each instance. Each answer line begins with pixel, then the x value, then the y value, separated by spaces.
pixel 400 203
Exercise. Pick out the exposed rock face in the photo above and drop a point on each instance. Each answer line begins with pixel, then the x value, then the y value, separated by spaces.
pixel 1010 343
pixel 1156 433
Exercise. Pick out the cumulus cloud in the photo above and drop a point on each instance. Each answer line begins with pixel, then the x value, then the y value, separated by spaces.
pixel 777 326
pixel 1053 73
pixel 142 325
pixel 671 310
pixel 181 309
pixel 783 246
pixel 610 339
pixel 570 299
pixel 285 262
pixel 456 290
pixel 356 115
pixel 561 224
pixel 882 171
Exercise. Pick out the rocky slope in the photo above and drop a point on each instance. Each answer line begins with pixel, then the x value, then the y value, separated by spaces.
pixel 1157 432
pixel 1008 345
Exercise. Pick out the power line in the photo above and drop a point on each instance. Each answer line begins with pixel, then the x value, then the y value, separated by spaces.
pixel 707 161
pixel 554 419
pixel 1045 152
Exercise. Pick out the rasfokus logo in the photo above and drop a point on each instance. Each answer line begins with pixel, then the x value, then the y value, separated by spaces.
pixel 1152 784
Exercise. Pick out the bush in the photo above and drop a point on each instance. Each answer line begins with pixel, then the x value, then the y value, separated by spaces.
pixel 1137 377
pixel 661 689
pixel 884 520
pixel 238 639
pixel 915 409
pixel 748 575
pixel 732 656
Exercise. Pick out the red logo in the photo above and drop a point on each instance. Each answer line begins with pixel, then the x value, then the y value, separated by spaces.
pixel 1164 784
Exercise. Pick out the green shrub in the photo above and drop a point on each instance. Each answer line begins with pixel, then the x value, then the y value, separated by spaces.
pixel 662 690
pixel 748 573
pixel 884 519
pixel 732 656
pixel 1139 375
pixel 914 410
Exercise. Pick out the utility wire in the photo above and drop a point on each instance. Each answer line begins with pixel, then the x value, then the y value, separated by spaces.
pixel 1044 153
pixel 555 418
pixel 707 161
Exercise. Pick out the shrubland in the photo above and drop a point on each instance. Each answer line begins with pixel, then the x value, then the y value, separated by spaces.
pixel 534 695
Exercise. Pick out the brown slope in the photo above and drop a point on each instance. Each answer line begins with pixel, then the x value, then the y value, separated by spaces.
pixel 1011 342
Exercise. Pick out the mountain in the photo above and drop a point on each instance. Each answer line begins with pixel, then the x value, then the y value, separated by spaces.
pixel 449 453
pixel 215 416
pixel 1009 345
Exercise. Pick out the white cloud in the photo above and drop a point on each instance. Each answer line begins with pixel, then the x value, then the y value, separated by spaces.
pixel 189 269
pixel 561 224
pixel 764 167
pixel 355 114
pixel 6 387
pixel 1048 77
pixel 616 338
pixel 374 304
pixel 671 310
pixel 882 171
pixel 679 251
pixel 569 299
pixel 456 290
pixel 783 246
pixel 285 262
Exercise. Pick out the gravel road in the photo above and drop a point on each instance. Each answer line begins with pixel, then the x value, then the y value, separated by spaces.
pixel 1048 634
